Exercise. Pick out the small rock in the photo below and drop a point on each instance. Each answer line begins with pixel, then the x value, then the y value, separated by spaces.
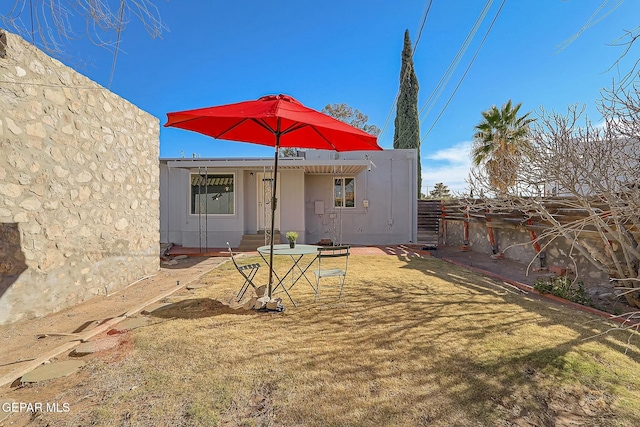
pixel 179 257
pixel 261 291
pixel 250 304
pixel 272 305
pixel 261 303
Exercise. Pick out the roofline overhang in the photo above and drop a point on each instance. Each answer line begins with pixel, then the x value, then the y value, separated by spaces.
pixel 327 167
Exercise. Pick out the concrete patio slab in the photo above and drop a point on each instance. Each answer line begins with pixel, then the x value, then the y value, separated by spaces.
pixel 52 370
pixel 96 346
pixel 5 404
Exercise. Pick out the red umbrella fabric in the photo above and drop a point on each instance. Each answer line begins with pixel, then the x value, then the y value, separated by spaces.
pixel 262 120
pixel 276 121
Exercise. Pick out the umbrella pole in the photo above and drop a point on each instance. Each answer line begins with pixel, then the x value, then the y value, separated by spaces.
pixel 274 200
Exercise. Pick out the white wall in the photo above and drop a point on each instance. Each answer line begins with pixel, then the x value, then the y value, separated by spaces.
pixel 292 190
pixel 389 187
pixel 180 227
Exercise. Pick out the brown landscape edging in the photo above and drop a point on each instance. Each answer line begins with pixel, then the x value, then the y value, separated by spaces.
pixel 552 297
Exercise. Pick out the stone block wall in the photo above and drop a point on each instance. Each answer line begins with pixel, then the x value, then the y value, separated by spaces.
pixel 516 244
pixel 79 186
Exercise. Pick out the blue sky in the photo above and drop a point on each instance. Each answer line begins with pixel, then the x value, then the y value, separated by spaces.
pixel 348 51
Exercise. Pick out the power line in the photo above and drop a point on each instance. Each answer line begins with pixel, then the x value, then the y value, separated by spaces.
pixel 437 91
pixel 426 10
pixel 465 72
pixel 444 80
pixel 593 20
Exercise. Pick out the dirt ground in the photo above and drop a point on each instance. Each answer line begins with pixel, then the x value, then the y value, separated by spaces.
pixel 24 342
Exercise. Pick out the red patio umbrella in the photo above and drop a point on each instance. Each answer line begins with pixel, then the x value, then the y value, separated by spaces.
pixel 276 121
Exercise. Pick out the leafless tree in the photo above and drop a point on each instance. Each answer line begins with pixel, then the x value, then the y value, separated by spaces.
pixel 581 182
pixel 53 24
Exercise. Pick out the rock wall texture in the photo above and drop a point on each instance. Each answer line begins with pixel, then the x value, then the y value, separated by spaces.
pixel 517 246
pixel 79 186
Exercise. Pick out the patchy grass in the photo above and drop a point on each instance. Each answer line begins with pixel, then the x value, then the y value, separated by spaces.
pixel 419 342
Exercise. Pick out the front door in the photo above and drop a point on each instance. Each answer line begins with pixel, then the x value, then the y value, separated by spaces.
pixel 264 202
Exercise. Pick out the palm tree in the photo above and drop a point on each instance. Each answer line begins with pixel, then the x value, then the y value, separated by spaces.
pixel 499 144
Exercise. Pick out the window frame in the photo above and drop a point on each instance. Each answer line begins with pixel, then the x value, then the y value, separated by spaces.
pixel 191 204
pixel 344 192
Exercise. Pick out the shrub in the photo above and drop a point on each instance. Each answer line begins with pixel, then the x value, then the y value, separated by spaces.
pixel 564 287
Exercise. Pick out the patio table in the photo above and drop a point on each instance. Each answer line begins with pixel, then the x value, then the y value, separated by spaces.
pixel 296 254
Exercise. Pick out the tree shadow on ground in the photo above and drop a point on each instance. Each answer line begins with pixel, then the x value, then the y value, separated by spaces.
pixel 431 337
pixel 197 308
pixel 185 263
pixel 585 325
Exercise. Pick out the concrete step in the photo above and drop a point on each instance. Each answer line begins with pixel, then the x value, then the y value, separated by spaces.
pixel 251 242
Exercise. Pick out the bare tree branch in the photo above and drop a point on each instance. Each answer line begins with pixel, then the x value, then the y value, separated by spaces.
pixel 580 182
pixel 53 24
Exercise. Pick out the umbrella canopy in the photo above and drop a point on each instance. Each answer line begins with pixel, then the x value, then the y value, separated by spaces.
pixel 276 121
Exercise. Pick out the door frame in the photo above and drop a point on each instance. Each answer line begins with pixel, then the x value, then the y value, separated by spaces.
pixel 261 180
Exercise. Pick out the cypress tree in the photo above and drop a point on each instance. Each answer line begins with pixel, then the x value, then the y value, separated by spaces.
pixel 407 123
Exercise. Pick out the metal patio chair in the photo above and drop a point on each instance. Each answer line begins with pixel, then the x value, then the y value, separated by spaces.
pixel 336 268
pixel 248 271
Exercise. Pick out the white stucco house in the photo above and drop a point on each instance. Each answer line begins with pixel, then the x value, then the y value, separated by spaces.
pixel 359 198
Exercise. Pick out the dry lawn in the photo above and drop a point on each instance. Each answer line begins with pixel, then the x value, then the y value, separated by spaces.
pixel 419 342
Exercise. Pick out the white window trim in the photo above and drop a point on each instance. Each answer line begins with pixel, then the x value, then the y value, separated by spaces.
pixel 235 196
pixel 344 193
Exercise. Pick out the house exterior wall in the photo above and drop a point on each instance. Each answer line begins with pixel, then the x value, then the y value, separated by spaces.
pixel 78 186
pixel 249 199
pixel 390 189
pixel 292 217
pixel 180 227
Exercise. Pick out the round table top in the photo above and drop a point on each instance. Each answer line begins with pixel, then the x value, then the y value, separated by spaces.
pixel 284 249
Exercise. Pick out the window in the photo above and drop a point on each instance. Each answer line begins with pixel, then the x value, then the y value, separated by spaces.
pixel 344 192
pixel 212 194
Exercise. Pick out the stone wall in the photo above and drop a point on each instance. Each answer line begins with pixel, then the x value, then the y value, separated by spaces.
pixel 79 186
pixel 516 244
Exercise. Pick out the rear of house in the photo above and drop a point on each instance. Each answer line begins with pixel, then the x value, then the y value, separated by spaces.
pixel 360 197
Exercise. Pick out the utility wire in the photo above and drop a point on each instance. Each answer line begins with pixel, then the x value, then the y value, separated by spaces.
pixel 593 20
pixel 437 91
pixel 444 80
pixel 415 47
pixel 465 72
